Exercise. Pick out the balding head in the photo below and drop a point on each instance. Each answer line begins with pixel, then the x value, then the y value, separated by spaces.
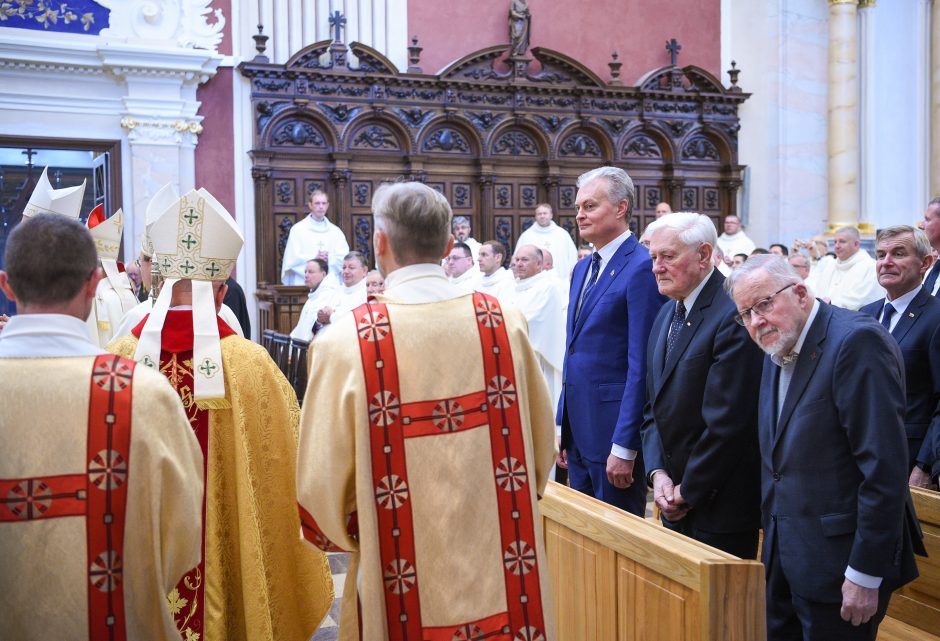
pixel 527 261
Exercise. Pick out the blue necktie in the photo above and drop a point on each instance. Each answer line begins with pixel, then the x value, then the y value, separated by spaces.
pixel 886 315
pixel 592 280
pixel 931 281
pixel 678 318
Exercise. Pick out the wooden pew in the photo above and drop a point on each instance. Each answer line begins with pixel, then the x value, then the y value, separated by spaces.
pixel 618 577
pixel 914 611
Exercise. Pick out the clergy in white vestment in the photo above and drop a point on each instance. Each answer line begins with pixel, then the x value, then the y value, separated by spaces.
pixel 538 299
pixel 495 279
pixel 462 271
pixel 115 296
pixel 375 283
pixel 545 234
pixel 561 285
pixel 850 281
pixel 101 475
pixel 388 443
pixel 718 259
pixel 734 240
pixel 323 293
pixel 314 237
pixel 463 233
pixel 351 294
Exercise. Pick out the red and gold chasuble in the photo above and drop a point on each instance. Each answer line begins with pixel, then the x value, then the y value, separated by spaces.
pixel 97 493
pixel 187 600
pixel 392 423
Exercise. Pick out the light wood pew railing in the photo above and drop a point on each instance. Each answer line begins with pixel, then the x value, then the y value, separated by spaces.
pixel 617 577
pixel 914 610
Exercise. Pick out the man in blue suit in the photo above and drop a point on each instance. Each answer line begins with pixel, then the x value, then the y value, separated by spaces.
pixel 613 302
pixel 839 530
pixel 912 316
pixel 703 381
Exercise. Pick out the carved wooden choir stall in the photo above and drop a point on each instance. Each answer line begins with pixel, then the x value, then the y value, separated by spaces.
pixel 497 132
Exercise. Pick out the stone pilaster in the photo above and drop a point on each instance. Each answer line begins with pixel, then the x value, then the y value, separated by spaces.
pixel 843 147
pixel 935 99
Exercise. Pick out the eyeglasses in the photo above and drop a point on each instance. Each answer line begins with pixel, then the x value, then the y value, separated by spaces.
pixel 454 259
pixel 761 308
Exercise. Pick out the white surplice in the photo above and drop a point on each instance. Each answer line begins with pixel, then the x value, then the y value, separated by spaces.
pixel 307 238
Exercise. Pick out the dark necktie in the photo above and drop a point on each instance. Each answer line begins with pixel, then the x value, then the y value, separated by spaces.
pixel 592 279
pixel 678 318
pixel 931 281
pixel 886 315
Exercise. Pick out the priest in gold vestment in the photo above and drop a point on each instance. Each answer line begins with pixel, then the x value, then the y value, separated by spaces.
pixel 258 581
pixel 426 439
pixel 100 475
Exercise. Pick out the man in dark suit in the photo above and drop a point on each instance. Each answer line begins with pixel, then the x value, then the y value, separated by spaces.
pixel 613 302
pixel 912 316
pixel 702 381
pixel 839 529
pixel 931 227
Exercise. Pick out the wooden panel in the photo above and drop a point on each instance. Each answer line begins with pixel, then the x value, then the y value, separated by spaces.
pixel 653 606
pixel 583 584
pixel 918 603
pixel 618 577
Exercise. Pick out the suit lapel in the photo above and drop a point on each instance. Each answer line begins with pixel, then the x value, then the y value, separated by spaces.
pixel 909 317
pixel 809 358
pixel 604 279
pixel 693 321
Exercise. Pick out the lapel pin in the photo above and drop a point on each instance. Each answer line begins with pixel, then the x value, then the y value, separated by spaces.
pixel 612 272
pixel 911 314
pixel 688 324
pixel 812 356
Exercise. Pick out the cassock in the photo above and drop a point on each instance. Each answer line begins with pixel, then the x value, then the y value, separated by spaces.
pixel 257 581
pixel 307 238
pixel 114 298
pixel 325 295
pixel 139 312
pixel 500 284
pixel 467 281
pixel 559 244
pixel 850 283
pixel 65 465
pixel 348 298
pixel 388 444
pixel 540 301
pixel 739 243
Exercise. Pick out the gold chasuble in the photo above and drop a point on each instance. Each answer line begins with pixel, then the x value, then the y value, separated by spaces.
pixel 258 580
pixel 427 436
pixel 99 499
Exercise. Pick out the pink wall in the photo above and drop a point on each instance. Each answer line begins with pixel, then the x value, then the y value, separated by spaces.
pixel 215 163
pixel 586 31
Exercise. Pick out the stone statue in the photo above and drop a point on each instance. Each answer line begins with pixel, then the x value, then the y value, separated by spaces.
pixel 520 20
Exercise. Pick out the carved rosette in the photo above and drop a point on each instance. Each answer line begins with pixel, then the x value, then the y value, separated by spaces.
pixel 641 147
pixel 375 137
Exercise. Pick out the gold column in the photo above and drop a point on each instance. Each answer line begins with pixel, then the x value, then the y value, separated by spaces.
pixel 935 99
pixel 843 114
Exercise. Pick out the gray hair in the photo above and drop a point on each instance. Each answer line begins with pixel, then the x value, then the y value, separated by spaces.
pixel 780 271
pixel 693 228
pixel 921 243
pixel 851 231
pixel 461 220
pixel 416 219
pixel 934 203
pixel 357 255
pixel 619 185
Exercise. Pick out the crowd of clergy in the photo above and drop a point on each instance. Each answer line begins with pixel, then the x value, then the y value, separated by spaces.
pixel 208 497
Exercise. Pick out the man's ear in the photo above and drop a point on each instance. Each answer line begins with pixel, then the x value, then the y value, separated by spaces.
pixel 450 246
pixel 380 242
pixel 91 285
pixel 5 286
pixel 220 296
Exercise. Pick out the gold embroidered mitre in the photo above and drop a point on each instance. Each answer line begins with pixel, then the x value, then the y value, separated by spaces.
pixel 45 199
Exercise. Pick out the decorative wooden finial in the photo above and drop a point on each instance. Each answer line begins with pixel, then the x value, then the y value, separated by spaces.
pixel 733 74
pixel 414 56
pixel 261 43
pixel 615 65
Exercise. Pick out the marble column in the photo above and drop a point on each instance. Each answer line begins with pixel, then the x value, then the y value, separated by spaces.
pixel 935 99
pixel 843 114
pixel 867 158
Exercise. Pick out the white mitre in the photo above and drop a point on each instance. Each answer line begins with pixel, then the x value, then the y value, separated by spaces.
pixel 106 232
pixel 166 197
pixel 66 202
pixel 196 239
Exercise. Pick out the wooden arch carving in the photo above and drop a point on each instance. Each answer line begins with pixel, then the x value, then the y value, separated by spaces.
pixel 496 134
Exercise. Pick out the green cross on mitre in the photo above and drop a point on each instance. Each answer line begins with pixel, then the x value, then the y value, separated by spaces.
pixel 188 241
pixel 191 216
pixel 212 269
pixel 166 264
pixel 187 266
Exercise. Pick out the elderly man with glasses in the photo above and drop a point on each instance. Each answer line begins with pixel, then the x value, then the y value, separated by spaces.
pixel 839 530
